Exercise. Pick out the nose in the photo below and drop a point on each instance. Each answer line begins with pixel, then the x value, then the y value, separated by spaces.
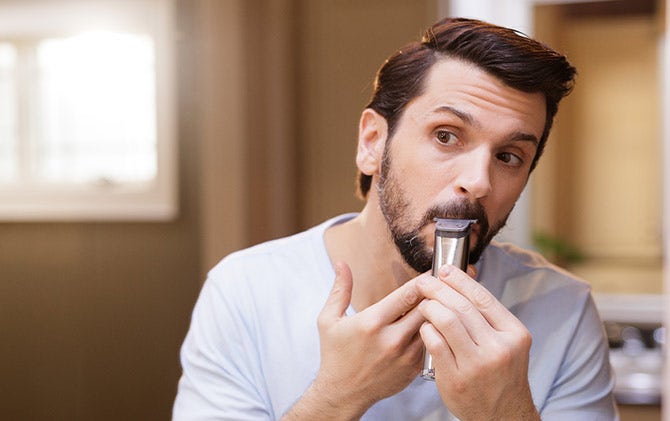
pixel 474 177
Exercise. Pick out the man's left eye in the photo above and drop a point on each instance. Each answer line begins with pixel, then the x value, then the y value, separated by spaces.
pixel 445 137
pixel 510 159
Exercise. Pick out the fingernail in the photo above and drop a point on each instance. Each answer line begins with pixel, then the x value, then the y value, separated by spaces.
pixel 445 270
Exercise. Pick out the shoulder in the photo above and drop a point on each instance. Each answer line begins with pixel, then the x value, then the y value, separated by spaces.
pixel 284 251
pixel 509 263
pixel 528 285
pixel 280 263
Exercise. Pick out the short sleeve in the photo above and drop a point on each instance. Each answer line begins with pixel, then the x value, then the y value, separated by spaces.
pixel 220 378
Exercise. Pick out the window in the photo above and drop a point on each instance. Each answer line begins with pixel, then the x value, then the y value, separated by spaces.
pixel 86 110
pixel 8 150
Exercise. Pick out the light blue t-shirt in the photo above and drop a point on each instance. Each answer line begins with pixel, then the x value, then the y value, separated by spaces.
pixel 253 346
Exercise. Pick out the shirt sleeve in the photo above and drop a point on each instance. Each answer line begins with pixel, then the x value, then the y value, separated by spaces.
pixel 220 378
pixel 583 388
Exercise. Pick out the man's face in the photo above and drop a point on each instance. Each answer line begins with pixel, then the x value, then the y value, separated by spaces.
pixel 462 149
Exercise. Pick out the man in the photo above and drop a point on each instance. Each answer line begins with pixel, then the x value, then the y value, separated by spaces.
pixel 331 323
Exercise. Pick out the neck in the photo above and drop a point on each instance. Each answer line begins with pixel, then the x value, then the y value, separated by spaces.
pixel 365 244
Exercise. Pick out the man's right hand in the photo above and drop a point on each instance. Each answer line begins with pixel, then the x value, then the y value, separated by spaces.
pixel 366 357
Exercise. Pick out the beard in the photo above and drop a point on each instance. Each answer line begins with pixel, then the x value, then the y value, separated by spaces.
pixel 406 234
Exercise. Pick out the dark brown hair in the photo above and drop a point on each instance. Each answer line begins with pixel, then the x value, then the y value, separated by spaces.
pixel 518 61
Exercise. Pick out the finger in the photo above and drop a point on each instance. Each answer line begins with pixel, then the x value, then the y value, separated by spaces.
pixel 398 302
pixel 451 327
pixel 339 298
pixel 436 345
pixel 476 325
pixel 472 271
pixel 408 327
pixel 410 321
pixel 499 317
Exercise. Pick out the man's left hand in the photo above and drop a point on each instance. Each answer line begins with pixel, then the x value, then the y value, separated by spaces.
pixel 480 350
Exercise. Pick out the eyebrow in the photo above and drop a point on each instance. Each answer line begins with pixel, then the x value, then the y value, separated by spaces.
pixel 525 137
pixel 470 120
pixel 465 117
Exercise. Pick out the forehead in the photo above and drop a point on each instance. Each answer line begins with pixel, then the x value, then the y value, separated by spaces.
pixel 464 86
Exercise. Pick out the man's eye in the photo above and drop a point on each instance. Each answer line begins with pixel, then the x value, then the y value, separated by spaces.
pixel 445 137
pixel 510 159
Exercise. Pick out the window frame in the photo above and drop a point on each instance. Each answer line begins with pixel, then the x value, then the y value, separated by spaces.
pixel 152 201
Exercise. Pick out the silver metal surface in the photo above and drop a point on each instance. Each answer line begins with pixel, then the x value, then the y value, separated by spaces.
pixel 452 246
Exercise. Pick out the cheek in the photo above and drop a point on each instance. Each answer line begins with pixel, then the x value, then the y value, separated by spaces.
pixel 422 182
pixel 502 200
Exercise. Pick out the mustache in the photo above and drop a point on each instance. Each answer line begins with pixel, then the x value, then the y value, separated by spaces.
pixel 462 209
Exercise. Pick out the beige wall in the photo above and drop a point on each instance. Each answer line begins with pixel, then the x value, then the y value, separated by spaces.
pixel 305 71
pixel 337 68
pixel 599 185
pixel 92 314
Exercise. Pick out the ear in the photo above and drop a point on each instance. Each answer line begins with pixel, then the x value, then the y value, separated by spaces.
pixel 372 133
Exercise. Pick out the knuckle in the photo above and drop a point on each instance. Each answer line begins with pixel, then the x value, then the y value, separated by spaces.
pixel 525 340
pixel 321 322
pixel 463 307
pixel 395 346
pixel 482 298
pixel 368 326
pixel 409 297
pixel 505 356
pixel 449 320
pixel 496 359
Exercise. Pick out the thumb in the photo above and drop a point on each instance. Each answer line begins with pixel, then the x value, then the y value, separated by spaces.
pixel 340 295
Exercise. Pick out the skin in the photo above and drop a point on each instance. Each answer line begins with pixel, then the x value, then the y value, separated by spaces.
pixel 468 137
